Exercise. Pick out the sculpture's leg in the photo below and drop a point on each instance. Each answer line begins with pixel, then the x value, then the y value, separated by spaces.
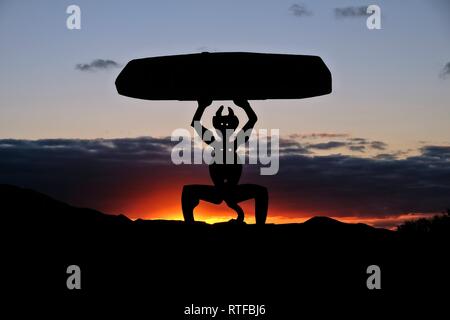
pixel 240 213
pixel 244 192
pixel 191 196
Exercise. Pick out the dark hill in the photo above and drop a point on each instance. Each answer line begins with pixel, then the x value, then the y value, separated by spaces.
pixel 168 261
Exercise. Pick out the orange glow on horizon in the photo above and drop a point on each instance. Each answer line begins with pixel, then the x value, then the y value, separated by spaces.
pixel 211 214
pixel 165 204
pixel 388 223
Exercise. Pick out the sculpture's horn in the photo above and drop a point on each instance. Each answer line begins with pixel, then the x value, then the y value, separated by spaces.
pixel 230 112
pixel 219 111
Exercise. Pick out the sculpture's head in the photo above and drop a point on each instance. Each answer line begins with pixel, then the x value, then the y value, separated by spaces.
pixel 223 123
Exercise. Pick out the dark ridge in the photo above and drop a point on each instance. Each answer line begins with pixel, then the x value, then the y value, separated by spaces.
pixel 171 264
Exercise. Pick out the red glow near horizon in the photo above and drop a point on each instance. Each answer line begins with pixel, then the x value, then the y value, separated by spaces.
pixel 166 204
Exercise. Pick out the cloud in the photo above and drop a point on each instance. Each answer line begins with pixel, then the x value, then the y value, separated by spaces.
pixel 292 146
pixel 352 144
pixel 328 145
pixel 350 12
pixel 440 152
pixel 299 10
pixel 114 175
pixel 378 145
pixel 97 64
pixel 341 185
pixel 359 140
pixel 385 156
pixel 357 148
pixel 445 72
pixel 318 135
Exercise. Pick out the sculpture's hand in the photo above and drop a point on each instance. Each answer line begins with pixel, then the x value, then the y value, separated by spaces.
pixel 204 103
pixel 241 103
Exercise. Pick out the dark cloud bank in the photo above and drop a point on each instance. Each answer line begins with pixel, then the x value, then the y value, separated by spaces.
pixel 103 173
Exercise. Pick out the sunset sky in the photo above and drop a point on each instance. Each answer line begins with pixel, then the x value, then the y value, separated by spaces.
pixel 376 150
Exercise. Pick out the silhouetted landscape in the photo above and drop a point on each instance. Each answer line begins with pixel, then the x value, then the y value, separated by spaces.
pixel 173 264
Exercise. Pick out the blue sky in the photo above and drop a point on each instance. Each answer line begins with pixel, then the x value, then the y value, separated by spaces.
pixel 386 82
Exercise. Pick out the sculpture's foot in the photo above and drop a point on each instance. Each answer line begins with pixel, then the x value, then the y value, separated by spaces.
pixel 236 221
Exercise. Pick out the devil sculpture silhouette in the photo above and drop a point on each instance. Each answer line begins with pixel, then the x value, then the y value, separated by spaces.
pixel 187 77
pixel 225 170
